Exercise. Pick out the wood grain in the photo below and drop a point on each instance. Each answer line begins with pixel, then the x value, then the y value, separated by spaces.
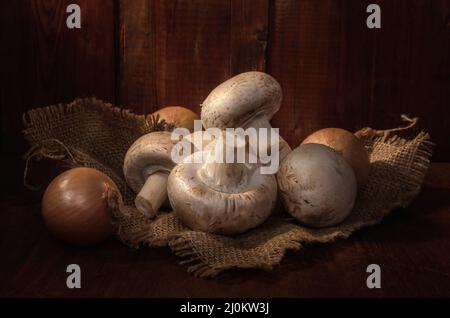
pixel 44 62
pixel 176 52
pixel 412 68
pixel 320 51
pixel 249 35
pixel 136 56
pixel 336 72
pixel 183 47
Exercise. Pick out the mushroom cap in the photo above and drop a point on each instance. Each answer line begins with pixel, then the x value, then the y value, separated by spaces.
pixel 202 208
pixel 284 149
pixel 199 140
pixel 149 154
pixel 190 144
pixel 237 101
pixel 317 185
pixel 346 144
pixel 179 116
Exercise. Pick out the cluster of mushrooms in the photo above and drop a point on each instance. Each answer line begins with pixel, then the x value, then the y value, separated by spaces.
pixel 317 182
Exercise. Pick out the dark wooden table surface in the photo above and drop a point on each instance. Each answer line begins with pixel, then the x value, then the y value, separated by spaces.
pixel 411 246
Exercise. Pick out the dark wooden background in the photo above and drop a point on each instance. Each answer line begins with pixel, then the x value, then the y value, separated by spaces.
pixel 146 54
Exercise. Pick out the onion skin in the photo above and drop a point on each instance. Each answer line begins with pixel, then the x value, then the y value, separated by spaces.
pixel 181 117
pixel 74 206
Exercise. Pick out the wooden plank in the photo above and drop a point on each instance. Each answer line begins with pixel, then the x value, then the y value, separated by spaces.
pixel 320 51
pixel 249 35
pixel 412 68
pixel 137 86
pixel 68 63
pixel 336 72
pixel 176 52
pixel 193 49
pixel 45 62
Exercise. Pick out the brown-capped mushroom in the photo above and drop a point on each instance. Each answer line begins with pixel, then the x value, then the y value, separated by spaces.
pixel 317 185
pixel 221 197
pixel 179 116
pixel 146 167
pixel 246 100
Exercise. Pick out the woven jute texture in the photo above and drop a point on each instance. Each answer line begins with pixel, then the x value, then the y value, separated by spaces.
pixel 92 133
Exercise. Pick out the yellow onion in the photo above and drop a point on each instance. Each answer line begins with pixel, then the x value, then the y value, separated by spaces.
pixel 75 206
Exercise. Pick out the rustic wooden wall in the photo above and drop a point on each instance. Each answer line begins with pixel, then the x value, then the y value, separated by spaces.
pixel 43 62
pixel 176 52
pixel 146 54
pixel 337 72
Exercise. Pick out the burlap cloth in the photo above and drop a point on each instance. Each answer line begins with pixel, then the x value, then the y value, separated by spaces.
pixel 92 133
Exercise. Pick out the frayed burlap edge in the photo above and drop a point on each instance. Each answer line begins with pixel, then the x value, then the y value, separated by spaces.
pixel 121 116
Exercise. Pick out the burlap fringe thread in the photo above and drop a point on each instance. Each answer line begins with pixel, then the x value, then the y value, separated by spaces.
pixel 398 169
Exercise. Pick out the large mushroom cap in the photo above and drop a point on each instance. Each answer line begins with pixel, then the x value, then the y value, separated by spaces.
pixel 149 154
pixel 237 101
pixel 317 185
pixel 204 208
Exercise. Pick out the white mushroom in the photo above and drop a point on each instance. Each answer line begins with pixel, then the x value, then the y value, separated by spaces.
pixel 347 145
pixel 246 100
pixel 220 197
pixel 147 165
pixel 317 185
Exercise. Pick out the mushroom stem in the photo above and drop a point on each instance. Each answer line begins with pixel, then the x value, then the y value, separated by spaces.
pixel 224 176
pixel 260 122
pixel 221 174
pixel 264 148
pixel 153 194
pixel 263 122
